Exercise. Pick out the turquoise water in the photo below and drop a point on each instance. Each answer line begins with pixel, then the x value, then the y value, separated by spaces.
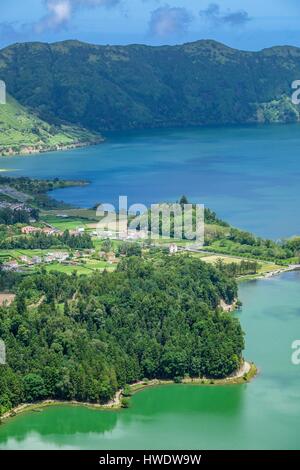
pixel 264 414
pixel 249 175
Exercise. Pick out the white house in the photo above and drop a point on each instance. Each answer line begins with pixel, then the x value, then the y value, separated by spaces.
pixel 173 249
pixel 10 266
pixel 56 256
pixel 2 92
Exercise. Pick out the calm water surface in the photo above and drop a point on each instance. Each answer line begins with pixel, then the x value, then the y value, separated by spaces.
pixel 249 175
pixel 262 414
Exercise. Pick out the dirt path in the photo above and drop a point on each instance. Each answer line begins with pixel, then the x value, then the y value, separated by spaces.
pixel 116 402
pixel 243 370
pixel 39 302
pixel 6 298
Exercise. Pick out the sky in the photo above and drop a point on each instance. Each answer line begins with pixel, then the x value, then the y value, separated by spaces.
pixel 243 24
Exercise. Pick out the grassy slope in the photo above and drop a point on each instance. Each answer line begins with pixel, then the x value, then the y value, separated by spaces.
pixel 23 132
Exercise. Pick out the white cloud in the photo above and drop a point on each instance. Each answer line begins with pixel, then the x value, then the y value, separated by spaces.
pixel 169 21
pixel 59 12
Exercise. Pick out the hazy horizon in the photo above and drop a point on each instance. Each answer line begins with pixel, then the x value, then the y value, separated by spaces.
pixel 248 25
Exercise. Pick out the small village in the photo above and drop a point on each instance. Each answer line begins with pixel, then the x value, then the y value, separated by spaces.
pixel 70 260
pixel 107 247
pixel 72 240
pixel 16 206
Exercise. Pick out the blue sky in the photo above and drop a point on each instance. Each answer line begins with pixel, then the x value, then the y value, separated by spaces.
pixel 244 24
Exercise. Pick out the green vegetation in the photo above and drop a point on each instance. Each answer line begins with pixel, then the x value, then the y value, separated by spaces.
pixel 221 240
pixel 247 377
pixel 34 192
pixel 220 237
pixel 278 110
pixel 88 336
pixel 96 315
pixel 43 242
pixel 236 269
pixel 9 216
pixel 129 249
pixel 29 187
pixel 21 132
pixel 125 402
pixel 126 87
pixel 240 243
pixel 87 268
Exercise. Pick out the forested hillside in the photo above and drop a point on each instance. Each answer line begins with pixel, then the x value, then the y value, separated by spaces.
pixel 71 337
pixel 122 87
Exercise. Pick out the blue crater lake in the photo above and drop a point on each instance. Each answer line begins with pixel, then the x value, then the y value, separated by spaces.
pixel 249 175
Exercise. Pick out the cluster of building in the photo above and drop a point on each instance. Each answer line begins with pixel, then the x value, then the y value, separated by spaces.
pixel 77 232
pixel 125 235
pixel 48 258
pixel 52 257
pixel 13 265
pixel 110 257
pixel 29 229
pixel 15 206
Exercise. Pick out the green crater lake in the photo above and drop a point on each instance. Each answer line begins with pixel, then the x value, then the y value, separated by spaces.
pixel 264 414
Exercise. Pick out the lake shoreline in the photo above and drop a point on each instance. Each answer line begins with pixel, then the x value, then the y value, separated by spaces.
pixel 244 375
pixel 268 275
pixel 32 150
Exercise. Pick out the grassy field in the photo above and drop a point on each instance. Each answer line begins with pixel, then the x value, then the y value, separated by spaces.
pixel 97 242
pixel 89 214
pixel 67 224
pixel 264 266
pixel 72 219
pixel 20 130
pixel 67 269
pixel 88 269
pixel 225 259
pixel 16 254
pixel 85 265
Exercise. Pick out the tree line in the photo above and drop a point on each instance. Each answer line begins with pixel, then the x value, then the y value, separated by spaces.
pixel 44 241
pixel 91 335
pixel 10 216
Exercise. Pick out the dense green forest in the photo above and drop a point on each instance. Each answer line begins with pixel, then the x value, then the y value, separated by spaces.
pixel 34 187
pixel 35 192
pixel 44 241
pixel 9 216
pixel 91 335
pixel 241 243
pixel 122 87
